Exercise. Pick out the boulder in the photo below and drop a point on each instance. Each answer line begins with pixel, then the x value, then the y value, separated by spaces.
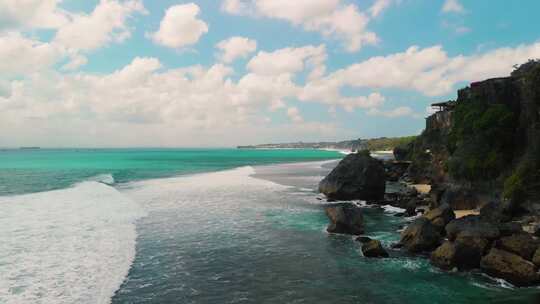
pixel 345 218
pixel 522 244
pixel 459 198
pixel 444 256
pixel 403 152
pixel 440 216
pixel 420 235
pixel 464 254
pixel 511 267
pixel 357 176
pixel 363 239
pixel 374 249
pixel 410 209
pixel 510 228
pixel 536 257
pixel 497 211
pixel 473 226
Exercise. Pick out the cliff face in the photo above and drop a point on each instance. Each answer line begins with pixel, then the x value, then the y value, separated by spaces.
pixel 488 140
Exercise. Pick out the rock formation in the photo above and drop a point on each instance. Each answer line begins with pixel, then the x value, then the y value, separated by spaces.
pixel 357 176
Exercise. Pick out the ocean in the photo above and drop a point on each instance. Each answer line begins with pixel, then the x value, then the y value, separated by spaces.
pixel 200 226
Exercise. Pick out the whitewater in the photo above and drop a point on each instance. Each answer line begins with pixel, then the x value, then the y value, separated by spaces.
pixel 73 245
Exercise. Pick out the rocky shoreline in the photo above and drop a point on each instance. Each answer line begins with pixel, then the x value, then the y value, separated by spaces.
pixel 473 214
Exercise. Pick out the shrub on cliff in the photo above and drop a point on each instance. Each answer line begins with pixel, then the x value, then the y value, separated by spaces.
pixel 481 140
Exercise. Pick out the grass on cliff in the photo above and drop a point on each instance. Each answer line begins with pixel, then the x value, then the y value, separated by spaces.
pixel 481 140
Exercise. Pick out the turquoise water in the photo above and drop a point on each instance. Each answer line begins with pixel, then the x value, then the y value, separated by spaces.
pixel 26 171
pixel 244 231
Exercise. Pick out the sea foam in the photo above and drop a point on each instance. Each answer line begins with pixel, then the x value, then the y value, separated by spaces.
pixel 73 245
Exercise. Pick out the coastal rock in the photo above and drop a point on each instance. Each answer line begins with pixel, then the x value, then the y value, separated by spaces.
pixel 440 216
pixel 357 176
pixel 444 256
pixel 410 209
pixel 498 211
pixel 459 198
pixel 522 244
pixel 363 239
pixel 345 218
pixel 374 249
pixel 509 266
pixel 536 257
pixel 472 226
pixel 510 228
pixel 420 235
pixel 464 254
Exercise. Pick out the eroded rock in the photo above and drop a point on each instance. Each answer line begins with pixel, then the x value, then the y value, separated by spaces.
pixel 357 176
pixel 345 218
pixel 509 266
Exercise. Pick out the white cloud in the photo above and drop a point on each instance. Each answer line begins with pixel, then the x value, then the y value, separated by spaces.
pixel 397 112
pixel 21 56
pixel 288 60
pixel 76 61
pixel 429 71
pixel 236 47
pixel 453 6
pixel 15 14
pixel 379 6
pixel 236 7
pixel 180 27
pixel 331 18
pixel 294 115
pixel 106 24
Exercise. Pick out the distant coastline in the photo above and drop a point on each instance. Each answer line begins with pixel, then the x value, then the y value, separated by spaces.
pixel 346 146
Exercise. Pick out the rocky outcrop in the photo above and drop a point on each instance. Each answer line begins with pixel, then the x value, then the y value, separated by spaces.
pixel 472 226
pixel 464 253
pixel 357 176
pixel 374 249
pixel 509 266
pixel 459 198
pixel 421 235
pixel 440 216
pixel 345 218
pixel 522 244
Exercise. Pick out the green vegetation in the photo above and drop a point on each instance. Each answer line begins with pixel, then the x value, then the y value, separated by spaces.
pixel 481 140
pixel 388 143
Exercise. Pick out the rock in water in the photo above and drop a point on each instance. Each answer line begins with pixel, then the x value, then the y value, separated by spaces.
pixel 374 249
pixel 509 266
pixel 465 253
pixel 536 257
pixel 345 218
pixel 420 235
pixel 357 176
pixel 522 244
pixel 472 226
pixel 440 216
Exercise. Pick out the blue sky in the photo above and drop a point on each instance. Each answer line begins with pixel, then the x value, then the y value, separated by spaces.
pixel 108 73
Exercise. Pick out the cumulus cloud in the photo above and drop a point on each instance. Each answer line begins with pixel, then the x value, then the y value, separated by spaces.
pixel 331 18
pixel 106 24
pixel 180 27
pixel 288 60
pixel 427 70
pixel 236 47
pixel 294 115
pixel 379 6
pixel 453 6
pixel 397 112
pixel 21 56
pixel 17 14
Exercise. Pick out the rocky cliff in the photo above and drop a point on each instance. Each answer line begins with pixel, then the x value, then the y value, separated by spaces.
pixel 487 142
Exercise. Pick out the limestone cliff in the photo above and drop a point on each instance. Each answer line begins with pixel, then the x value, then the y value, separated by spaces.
pixel 486 142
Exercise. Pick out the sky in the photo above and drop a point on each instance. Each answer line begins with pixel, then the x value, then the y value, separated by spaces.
pixel 219 73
